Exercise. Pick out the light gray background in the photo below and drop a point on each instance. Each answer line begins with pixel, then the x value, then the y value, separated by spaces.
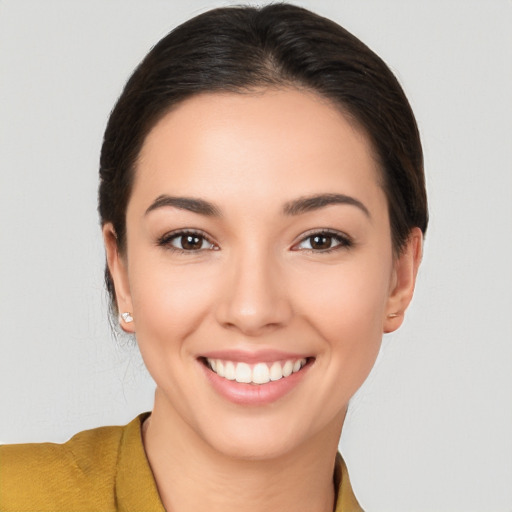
pixel 431 430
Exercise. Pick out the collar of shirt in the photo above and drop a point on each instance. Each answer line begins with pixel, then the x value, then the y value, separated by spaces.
pixel 135 487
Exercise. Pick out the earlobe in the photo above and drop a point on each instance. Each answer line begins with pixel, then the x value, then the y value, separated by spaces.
pixel 118 272
pixel 403 282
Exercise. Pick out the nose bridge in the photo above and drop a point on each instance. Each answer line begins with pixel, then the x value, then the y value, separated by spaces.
pixel 255 298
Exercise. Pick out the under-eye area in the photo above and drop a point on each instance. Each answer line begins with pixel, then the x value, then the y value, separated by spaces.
pixel 256 373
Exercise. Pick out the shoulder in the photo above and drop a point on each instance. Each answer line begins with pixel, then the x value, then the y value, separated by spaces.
pixel 345 498
pixel 47 476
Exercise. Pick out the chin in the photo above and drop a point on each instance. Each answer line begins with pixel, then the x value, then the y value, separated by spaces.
pixel 267 435
pixel 263 446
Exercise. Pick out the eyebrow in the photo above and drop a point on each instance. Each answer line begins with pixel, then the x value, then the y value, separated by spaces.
pixel 310 203
pixel 295 207
pixel 185 203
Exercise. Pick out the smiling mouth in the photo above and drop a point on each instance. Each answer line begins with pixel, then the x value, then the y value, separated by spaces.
pixel 258 373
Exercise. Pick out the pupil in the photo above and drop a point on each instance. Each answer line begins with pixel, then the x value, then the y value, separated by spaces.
pixel 191 242
pixel 321 242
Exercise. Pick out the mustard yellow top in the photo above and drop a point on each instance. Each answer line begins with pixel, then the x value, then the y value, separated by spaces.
pixel 99 470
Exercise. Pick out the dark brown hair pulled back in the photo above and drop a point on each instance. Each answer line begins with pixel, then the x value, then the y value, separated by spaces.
pixel 237 49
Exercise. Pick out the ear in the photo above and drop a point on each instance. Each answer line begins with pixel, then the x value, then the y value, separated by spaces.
pixel 118 271
pixel 403 280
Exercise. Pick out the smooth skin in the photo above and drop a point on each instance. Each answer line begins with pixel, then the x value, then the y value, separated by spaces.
pixel 256 275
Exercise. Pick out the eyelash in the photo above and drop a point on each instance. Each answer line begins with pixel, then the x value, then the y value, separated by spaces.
pixel 344 241
pixel 165 241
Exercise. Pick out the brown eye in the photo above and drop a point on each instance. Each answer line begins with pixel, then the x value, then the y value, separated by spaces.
pixel 191 242
pixel 186 242
pixel 321 242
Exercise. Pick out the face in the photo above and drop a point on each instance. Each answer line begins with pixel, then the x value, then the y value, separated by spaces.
pixel 259 268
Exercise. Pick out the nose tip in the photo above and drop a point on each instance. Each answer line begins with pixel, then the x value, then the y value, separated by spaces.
pixel 254 301
pixel 253 321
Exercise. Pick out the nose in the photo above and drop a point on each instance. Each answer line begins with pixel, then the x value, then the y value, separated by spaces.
pixel 254 298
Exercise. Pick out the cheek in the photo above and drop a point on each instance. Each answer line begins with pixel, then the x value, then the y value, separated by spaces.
pixel 170 301
pixel 347 304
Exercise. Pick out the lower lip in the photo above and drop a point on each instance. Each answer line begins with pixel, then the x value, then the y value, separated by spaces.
pixel 254 394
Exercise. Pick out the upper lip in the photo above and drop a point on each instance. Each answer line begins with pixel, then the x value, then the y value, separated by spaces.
pixel 244 356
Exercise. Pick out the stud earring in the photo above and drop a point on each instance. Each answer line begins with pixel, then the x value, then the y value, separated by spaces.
pixel 127 317
pixel 393 315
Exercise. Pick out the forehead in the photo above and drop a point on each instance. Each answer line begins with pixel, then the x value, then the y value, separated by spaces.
pixel 254 145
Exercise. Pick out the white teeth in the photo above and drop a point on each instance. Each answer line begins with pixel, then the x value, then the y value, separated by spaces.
pixel 229 371
pixel 276 371
pixel 287 369
pixel 259 373
pixel 243 373
pixel 298 365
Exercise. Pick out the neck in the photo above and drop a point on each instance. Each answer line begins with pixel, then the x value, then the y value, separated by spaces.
pixel 191 475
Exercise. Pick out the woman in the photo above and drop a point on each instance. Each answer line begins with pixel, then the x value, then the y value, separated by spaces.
pixel 263 208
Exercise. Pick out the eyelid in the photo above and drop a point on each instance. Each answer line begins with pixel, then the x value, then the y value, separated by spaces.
pixel 164 240
pixel 345 240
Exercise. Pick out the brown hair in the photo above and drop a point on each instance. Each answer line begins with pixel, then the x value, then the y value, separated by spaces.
pixel 236 49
